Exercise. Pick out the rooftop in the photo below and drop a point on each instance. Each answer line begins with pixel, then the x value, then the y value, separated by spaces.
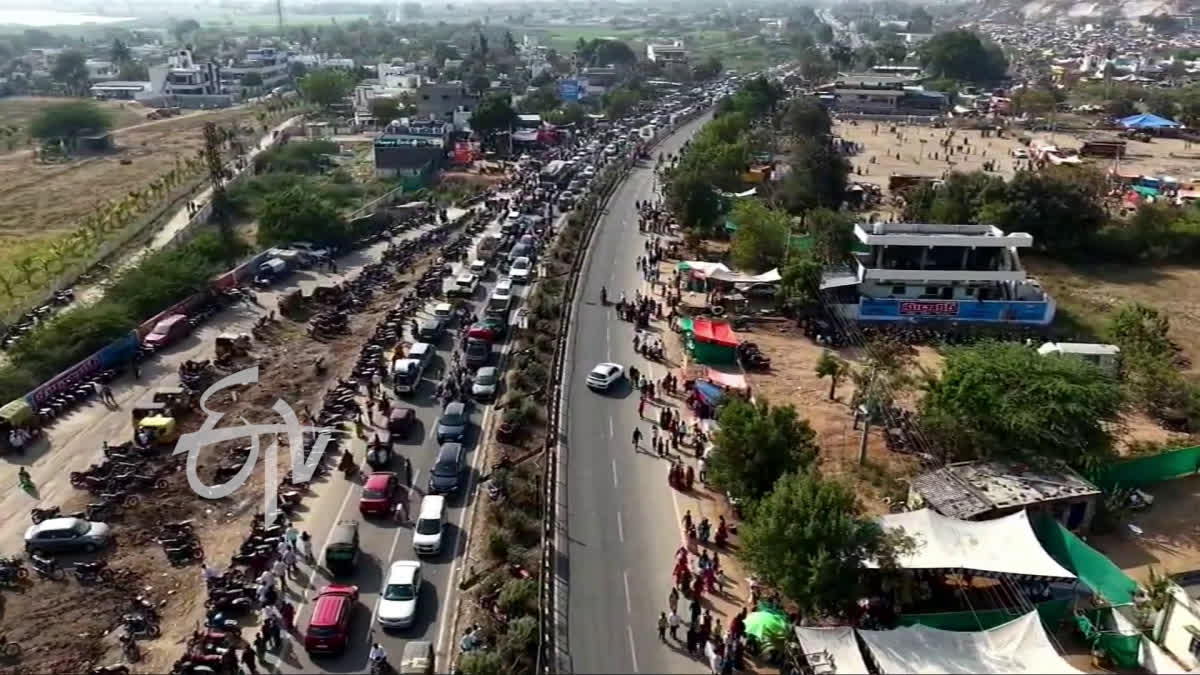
pixel 938 234
pixel 968 489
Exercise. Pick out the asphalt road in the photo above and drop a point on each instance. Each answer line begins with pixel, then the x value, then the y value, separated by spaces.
pixel 383 541
pixel 622 522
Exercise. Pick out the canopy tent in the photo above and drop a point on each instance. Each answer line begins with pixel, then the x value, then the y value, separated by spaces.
pixel 703 268
pixel 1019 646
pixel 766 623
pixel 709 393
pixel 727 380
pixel 1005 545
pixel 1147 121
pixel 770 277
pixel 714 332
pixel 838 643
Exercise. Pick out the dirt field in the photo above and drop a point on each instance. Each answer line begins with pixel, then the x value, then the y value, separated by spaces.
pixel 19 110
pixel 43 201
pixel 1170 535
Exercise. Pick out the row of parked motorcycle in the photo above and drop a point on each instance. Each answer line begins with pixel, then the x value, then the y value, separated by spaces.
pixel 10 335
pixel 72 392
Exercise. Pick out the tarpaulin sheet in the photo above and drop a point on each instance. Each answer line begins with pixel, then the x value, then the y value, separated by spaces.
pixel 728 380
pixel 733 277
pixel 709 393
pixel 1092 567
pixel 716 332
pixel 839 643
pixel 1143 471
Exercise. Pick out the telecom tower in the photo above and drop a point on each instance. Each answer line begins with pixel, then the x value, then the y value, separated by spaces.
pixel 279 15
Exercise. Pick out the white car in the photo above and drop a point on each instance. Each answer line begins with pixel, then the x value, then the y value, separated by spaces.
pixel 478 267
pixel 605 375
pixel 431 520
pixel 1020 154
pixel 398 602
pixel 520 270
pixel 464 285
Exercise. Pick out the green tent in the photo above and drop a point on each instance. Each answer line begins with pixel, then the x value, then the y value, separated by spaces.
pixel 766 623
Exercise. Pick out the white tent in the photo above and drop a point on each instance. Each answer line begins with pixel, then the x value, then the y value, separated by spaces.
pixel 1019 646
pixel 840 645
pixel 1001 546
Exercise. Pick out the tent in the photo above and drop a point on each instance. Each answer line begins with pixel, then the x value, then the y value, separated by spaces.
pixel 704 269
pixel 1004 545
pixel 716 332
pixel 1147 121
pixel 766 623
pixel 770 277
pixel 710 341
pixel 1019 646
pixel 838 644
pixel 709 393
pixel 727 380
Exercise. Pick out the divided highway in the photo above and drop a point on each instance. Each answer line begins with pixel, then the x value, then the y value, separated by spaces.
pixel 622 522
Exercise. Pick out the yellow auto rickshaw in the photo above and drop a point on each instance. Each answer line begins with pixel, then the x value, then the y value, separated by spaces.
pixel 147 409
pixel 156 430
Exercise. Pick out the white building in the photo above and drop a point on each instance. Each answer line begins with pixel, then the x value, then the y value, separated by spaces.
pixel 907 271
pixel 667 52
pixel 101 71
pixel 184 76
pixel 268 63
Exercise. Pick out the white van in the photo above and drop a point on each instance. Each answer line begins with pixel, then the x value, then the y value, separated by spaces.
pixel 431 521
pixel 503 287
pixel 406 375
pixel 499 304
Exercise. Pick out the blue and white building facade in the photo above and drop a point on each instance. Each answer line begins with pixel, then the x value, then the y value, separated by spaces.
pixel 934 272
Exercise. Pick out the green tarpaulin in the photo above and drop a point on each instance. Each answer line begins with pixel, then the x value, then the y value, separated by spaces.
pixel 1144 471
pixel 1052 613
pixel 1093 568
pixel 765 623
pixel 1122 649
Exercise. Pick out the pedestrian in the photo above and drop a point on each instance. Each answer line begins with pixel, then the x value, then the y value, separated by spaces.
pixel 673 622
pixel 306 545
pixel 662 626
pixel 694 610
pixel 287 611
pixel 642 408
pixel 289 560
pixel 291 534
pixel 673 599
pixel 108 396
pixel 637 437
pixel 691 640
pixel 703 471
pixel 249 660
pixel 280 570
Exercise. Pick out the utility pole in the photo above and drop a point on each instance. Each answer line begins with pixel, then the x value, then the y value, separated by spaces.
pixel 216 176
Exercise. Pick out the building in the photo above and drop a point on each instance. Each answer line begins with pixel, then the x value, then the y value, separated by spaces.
pixel 412 149
pixel 963 273
pixel 868 101
pixel 270 65
pixel 1103 356
pixel 668 52
pixel 125 91
pixel 991 489
pixel 441 100
pixel 402 76
pixel 596 82
pixel 101 71
pixel 185 81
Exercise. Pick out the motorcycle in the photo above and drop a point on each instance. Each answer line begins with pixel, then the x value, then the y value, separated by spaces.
pixel 137 625
pixel 12 575
pixel 47 567
pixel 182 555
pixel 8 647
pixel 119 669
pixel 230 605
pixel 93 571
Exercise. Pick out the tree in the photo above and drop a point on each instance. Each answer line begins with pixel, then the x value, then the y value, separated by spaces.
pixel 823 33
pixel 1010 402
pixel 299 215
pixel 69 121
pixel 540 100
pixel 810 539
pixel 961 55
pixel 806 117
pixel 832 235
pixel 252 80
pixel 800 280
pixel 119 53
pixel 835 368
pixel 1121 106
pixel 494 114
pixel 510 44
pixel 620 101
pixel 708 68
pixel 184 28
pixel 818 178
pixel 1033 101
pixel 132 71
pixel 569 113
pixel 412 10
pixel 71 70
pixel 326 86
pixel 891 49
pixel 694 201
pixel 841 54
pixel 756 444
pixel 1062 207
pixel 480 83
pixel 385 109
pixel 1159 102
pixel 761 237
pixel 603 52
pixel 919 21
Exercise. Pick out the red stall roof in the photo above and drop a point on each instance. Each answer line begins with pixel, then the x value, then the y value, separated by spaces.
pixel 716 332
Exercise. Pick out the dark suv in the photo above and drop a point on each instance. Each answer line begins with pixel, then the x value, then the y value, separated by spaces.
pixel 477 352
pixel 446 475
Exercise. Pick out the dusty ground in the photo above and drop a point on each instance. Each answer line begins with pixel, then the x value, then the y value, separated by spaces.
pixel 18 111
pixel 285 359
pixel 44 200
pixel 1170 535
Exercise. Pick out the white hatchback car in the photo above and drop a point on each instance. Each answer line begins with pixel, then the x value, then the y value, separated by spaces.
pixel 398 604
pixel 604 376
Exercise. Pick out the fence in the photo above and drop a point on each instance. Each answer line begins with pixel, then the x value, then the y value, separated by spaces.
pixel 1052 613
pixel 1136 473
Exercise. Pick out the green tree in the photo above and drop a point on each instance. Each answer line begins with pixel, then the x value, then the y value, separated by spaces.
pixel 68 121
pixel 569 113
pixel 707 69
pixel 1062 207
pixel 823 33
pixel 835 368
pixel 961 55
pixel 809 538
pixel 694 201
pixel 755 445
pixel 132 71
pixel 832 235
pixel 385 109
pixel 800 281
pixel 1010 402
pixel 761 237
pixel 182 29
pixel 71 70
pixel 1033 101
pixel 805 117
pixel 818 178
pixel 326 87
pixel 540 100
pixel 494 114
pixel 604 52
pixel 1121 106
pixel 919 21
pixel 1160 102
pixel 119 53
pixel 891 49
pixel 620 102
pixel 252 80
pixel 299 215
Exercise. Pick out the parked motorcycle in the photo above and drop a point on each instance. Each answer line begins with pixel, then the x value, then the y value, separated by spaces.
pixel 91 572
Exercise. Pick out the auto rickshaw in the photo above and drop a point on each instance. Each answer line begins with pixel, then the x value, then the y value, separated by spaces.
pixel 177 399
pixel 341 553
pixel 229 345
pixel 379 454
pixel 401 422
pixel 148 409
pixel 417 658
pixel 156 430
pixel 17 426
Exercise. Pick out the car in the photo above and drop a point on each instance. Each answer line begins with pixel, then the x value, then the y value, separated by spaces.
pixel 604 376
pixel 167 331
pixel 379 494
pixel 464 285
pixel 442 313
pixel 503 287
pixel 485 382
pixel 489 329
pixel 446 474
pixel 401 591
pixel 478 267
pixel 57 535
pixel 477 352
pixel 1020 153
pixel 430 330
pixel 452 425
pixel 431 521
pixel 329 628
pixel 315 252
pixel 401 422
pixel 520 270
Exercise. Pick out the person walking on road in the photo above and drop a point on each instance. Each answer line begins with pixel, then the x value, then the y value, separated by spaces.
pixel 637 437
pixel 673 599
pixel 662 626
pixel 250 661
pixel 673 622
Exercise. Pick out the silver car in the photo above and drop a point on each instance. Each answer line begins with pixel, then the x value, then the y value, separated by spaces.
pixel 67 534
pixel 485 382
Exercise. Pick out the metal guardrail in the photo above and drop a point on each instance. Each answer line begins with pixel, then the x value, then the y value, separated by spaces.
pixel 547 605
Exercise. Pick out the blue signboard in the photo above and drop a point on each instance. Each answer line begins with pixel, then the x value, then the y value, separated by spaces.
pixel 570 90
pixel 953 310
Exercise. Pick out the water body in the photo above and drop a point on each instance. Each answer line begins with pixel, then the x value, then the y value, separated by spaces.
pixel 39 17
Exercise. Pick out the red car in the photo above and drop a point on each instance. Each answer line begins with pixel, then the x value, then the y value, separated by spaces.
pixel 488 329
pixel 379 494
pixel 329 630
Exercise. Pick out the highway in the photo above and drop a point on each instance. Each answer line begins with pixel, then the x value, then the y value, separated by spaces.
pixel 622 521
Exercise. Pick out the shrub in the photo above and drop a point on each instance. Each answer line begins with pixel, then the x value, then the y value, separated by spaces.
pixel 499 542
pixel 484 663
pixel 519 642
pixel 526 530
pixel 518 596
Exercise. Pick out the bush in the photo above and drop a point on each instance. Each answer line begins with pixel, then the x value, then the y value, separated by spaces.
pixel 518 597
pixel 526 531
pixel 484 663
pixel 499 542
pixel 519 642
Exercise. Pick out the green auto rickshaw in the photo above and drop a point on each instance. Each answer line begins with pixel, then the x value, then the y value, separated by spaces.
pixel 341 554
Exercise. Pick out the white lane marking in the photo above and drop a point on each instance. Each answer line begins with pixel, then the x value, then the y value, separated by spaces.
pixel 610 428
pixel 628 602
pixel 632 649
pixel 620 528
pixel 616 483
pixel 678 517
